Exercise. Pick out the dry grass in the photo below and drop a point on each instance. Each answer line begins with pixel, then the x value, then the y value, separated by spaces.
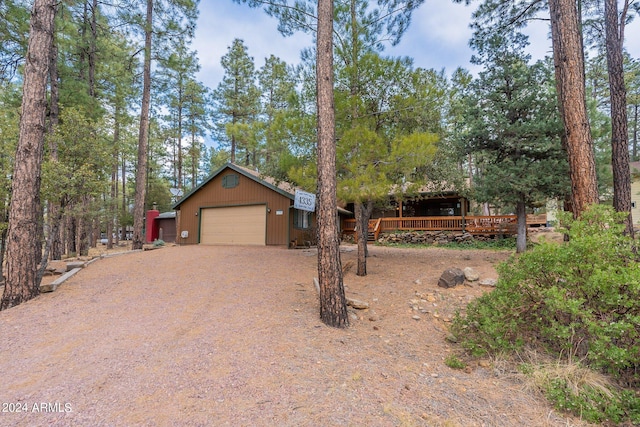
pixel 536 371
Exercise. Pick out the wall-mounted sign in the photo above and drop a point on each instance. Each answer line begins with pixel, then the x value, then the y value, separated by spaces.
pixel 279 212
pixel 304 201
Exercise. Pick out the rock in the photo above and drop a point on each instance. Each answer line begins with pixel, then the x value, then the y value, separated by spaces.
pixel 470 274
pixel 547 237
pixel 415 317
pixel 451 278
pixel 488 282
pixel 484 364
pixel 451 338
pixel 47 287
pixel 357 304
pixel 50 287
pixel 75 264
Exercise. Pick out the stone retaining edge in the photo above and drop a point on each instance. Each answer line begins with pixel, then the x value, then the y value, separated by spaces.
pixel 50 287
pixel 53 285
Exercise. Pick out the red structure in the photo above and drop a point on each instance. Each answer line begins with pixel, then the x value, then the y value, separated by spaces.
pixel 152 225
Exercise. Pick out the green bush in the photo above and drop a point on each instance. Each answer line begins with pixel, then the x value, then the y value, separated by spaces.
pixel 593 404
pixel 157 243
pixel 579 300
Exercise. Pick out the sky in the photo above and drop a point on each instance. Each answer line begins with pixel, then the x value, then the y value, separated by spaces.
pixel 437 38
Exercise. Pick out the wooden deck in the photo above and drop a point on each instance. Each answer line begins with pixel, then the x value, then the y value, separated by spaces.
pixel 477 225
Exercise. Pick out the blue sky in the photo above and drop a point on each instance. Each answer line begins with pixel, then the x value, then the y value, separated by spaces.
pixel 437 38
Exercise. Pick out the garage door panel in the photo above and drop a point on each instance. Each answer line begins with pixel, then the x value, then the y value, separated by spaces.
pixel 237 225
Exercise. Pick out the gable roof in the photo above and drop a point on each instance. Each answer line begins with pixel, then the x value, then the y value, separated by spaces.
pixel 283 188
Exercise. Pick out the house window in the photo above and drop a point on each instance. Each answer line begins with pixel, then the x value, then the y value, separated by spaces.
pixel 301 219
pixel 230 181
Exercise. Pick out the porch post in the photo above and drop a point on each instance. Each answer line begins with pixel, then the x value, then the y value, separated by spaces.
pixel 463 211
pixel 400 207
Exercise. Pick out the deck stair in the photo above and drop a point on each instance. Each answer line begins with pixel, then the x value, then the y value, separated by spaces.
pixel 374 229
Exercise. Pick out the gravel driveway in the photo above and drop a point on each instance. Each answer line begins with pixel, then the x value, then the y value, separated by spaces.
pixel 230 336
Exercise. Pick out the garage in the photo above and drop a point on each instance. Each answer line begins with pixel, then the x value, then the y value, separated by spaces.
pixel 239 206
pixel 234 225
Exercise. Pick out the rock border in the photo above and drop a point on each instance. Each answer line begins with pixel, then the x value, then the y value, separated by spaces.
pixel 77 266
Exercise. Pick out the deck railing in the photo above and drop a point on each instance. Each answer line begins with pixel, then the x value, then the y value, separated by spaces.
pixel 494 224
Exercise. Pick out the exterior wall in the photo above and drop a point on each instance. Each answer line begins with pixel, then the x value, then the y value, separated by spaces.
pixel 434 206
pixel 168 226
pixel 247 192
pixel 635 192
pixel 635 201
pixel 302 235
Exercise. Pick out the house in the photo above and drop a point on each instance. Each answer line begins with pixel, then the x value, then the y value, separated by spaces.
pixel 446 203
pixel 239 206
pixel 440 210
pixel 635 191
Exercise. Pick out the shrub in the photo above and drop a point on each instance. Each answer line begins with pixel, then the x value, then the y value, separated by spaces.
pixel 157 243
pixel 579 300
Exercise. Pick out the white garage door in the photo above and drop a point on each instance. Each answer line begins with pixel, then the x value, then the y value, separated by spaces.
pixel 237 225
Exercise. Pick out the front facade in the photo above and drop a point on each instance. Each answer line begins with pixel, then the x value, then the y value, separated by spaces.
pixel 424 205
pixel 635 192
pixel 236 206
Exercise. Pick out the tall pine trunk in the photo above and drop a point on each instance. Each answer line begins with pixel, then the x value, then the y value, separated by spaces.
pixel 55 239
pixel 333 307
pixel 24 238
pixel 123 227
pixel 614 33
pixel 362 233
pixel 112 216
pixel 143 137
pixel 570 83
pixel 362 213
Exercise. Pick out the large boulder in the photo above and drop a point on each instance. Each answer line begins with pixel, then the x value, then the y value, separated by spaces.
pixel 451 277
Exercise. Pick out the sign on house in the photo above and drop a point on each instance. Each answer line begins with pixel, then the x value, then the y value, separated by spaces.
pixel 304 201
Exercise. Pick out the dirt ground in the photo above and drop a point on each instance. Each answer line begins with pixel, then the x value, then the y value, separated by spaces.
pixel 231 336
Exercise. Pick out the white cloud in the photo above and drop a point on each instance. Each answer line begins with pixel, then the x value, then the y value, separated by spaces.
pixel 437 38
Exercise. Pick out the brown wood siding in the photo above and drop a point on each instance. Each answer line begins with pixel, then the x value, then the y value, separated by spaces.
pixel 168 226
pixel 302 235
pixel 247 192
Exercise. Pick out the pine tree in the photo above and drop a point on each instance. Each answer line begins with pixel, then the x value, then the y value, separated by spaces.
pixel 333 307
pixel 237 101
pixel 24 248
pixel 513 130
